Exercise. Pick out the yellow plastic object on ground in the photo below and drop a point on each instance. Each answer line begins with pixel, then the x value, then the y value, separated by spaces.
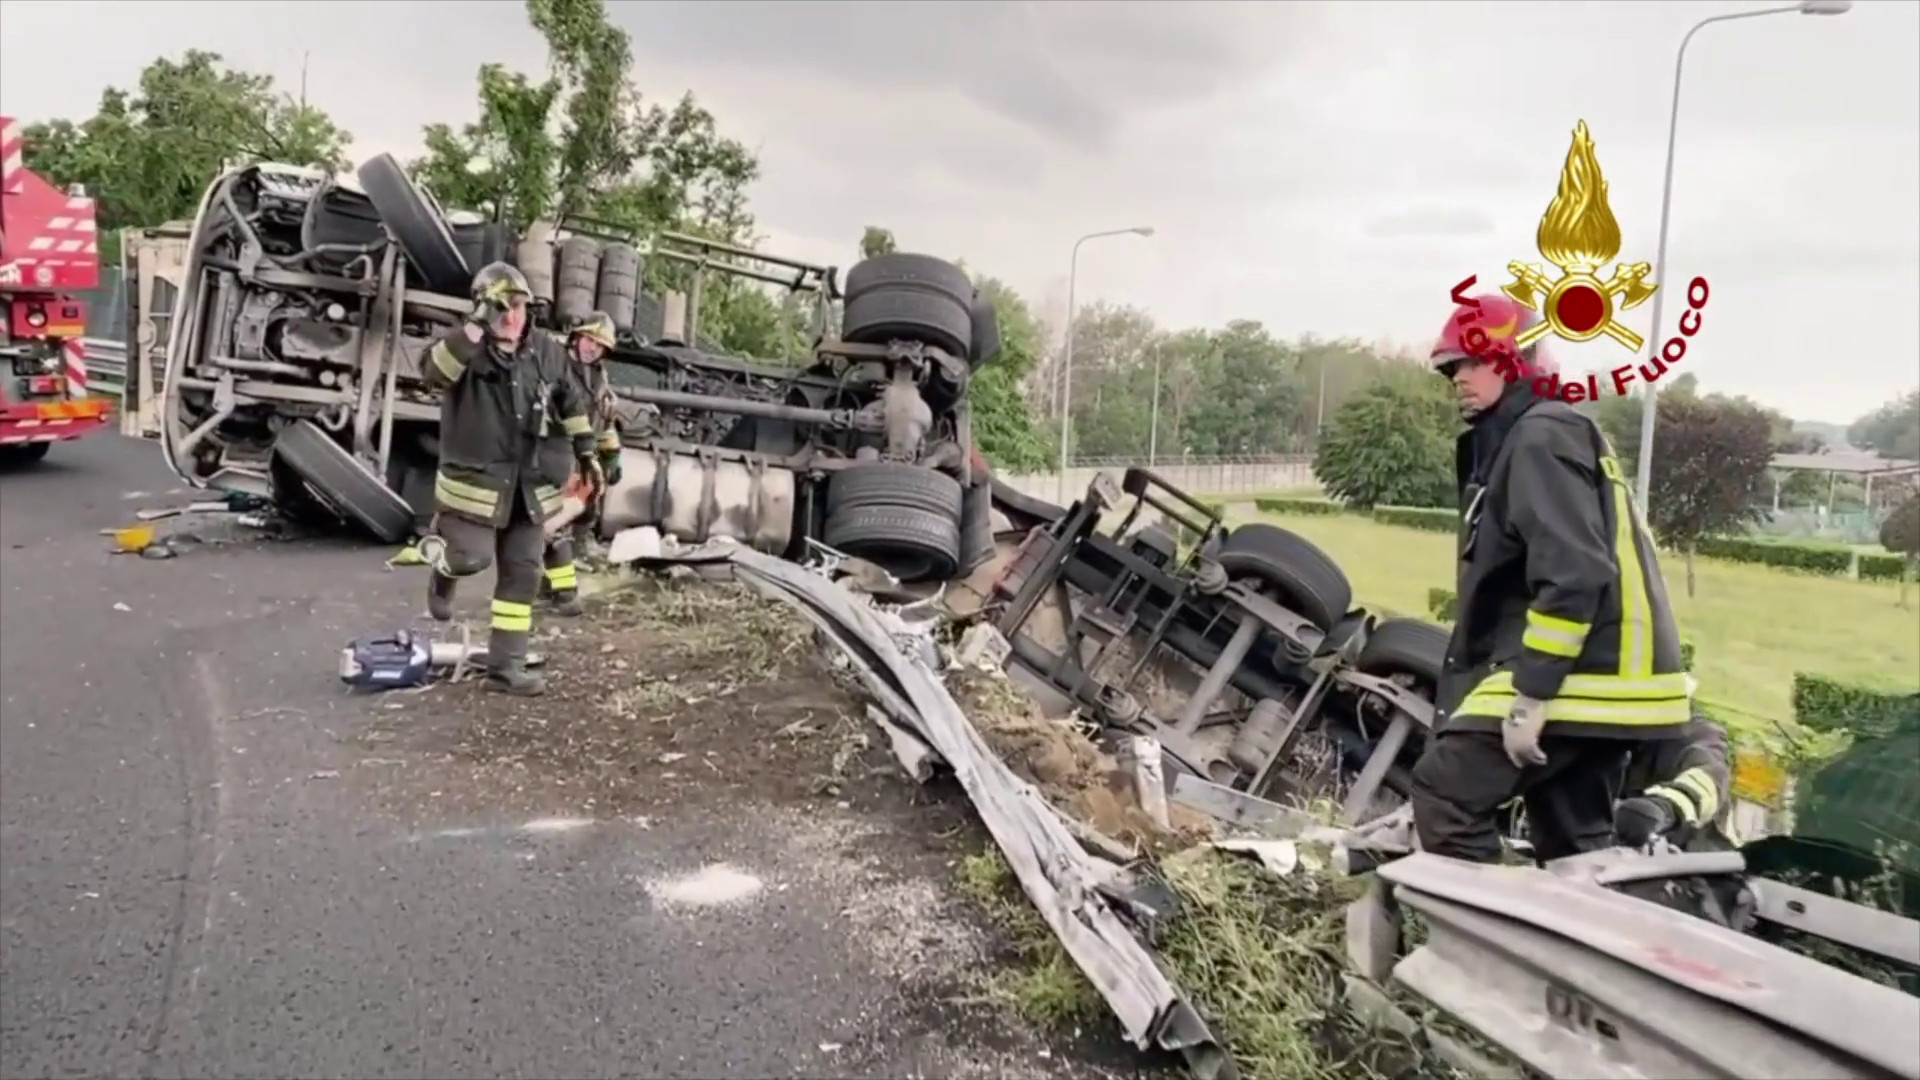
pixel 132 540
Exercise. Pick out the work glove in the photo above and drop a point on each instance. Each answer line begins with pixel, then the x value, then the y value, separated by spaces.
pixel 595 477
pixel 1520 733
pixel 1638 820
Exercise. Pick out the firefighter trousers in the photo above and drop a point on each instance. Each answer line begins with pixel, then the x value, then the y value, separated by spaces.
pixel 514 552
pixel 1464 779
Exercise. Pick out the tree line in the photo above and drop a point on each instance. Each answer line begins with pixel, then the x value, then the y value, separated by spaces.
pixel 581 140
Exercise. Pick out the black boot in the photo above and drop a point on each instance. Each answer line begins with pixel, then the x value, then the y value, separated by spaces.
pixel 510 676
pixel 566 603
pixel 440 596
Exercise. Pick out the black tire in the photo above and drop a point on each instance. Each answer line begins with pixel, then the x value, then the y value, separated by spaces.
pixel 534 256
pixel 1309 582
pixel 912 545
pixel 576 278
pixel 343 483
pixel 894 484
pixel 909 313
pixel 619 285
pixel 976 527
pixel 416 226
pixel 902 268
pixel 1405 647
pixel 986 331
pixel 25 453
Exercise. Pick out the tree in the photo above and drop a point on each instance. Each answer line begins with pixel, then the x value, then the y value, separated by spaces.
pixel 1003 425
pixel 1900 534
pixel 1892 430
pixel 1391 444
pixel 147 155
pixel 875 240
pixel 1710 474
pixel 1250 401
pixel 583 143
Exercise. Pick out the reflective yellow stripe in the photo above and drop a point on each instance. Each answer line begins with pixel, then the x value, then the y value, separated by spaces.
pixel 1599 687
pixel 464 497
pixel 1636 604
pixel 443 358
pixel 1700 789
pixel 1654 701
pixel 563 577
pixel 607 441
pixel 1554 636
pixel 512 616
pixel 577 425
pixel 550 499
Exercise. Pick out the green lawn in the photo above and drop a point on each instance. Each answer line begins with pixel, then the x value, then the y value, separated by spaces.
pixel 1751 627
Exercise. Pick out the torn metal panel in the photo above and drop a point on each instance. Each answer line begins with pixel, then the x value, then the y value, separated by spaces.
pixel 1069 886
pixel 1636 989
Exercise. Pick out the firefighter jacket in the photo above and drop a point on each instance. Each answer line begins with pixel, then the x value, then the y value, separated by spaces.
pixel 1692 772
pixel 1560 597
pixel 598 391
pixel 509 423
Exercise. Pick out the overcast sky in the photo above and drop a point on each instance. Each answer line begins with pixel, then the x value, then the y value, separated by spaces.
pixel 1329 168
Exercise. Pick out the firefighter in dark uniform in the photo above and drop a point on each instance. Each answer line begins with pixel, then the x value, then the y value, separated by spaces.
pixel 1564 658
pixel 511 425
pixel 1678 789
pixel 587 342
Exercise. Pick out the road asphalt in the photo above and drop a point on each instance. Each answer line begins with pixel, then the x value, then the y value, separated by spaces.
pixel 191 886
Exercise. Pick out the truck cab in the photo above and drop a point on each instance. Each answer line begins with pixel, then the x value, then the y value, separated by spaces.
pixel 47 254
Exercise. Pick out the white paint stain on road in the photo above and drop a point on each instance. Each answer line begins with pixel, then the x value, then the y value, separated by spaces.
pixel 717 885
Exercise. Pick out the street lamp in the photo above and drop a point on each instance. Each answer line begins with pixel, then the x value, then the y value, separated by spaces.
pixel 1066 361
pixel 1643 479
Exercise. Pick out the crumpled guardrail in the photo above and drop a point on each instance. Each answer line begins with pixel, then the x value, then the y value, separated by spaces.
pixel 1070 886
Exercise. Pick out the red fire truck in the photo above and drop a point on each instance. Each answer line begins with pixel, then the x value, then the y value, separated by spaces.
pixel 47 254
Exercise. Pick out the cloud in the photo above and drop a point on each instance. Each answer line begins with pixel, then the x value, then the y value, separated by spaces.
pixel 1328 168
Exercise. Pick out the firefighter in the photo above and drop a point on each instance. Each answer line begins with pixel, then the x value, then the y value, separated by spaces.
pixel 1678 789
pixel 587 342
pixel 1565 656
pixel 511 424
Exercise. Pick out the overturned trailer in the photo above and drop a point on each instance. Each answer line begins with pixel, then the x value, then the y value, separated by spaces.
pixel 281 337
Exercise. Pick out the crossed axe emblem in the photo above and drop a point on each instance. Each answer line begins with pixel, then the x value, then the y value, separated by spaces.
pixel 1535 291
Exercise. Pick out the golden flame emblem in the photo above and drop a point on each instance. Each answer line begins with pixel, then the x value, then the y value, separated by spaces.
pixel 1579 234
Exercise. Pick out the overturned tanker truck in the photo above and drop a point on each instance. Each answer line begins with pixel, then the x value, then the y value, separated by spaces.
pixel 279 339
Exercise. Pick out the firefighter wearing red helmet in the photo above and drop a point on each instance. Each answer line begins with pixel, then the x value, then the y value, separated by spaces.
pixel 1564 657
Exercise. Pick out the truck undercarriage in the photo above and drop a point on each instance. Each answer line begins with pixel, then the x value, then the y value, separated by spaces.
pixel 306 303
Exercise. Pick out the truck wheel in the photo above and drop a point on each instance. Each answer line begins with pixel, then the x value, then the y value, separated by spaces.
pixel 576 278
pixel 986 331
pixel 976 527
pixel 909 298
pixel 343 483
pixel 1405 647
pixel 1308 581
pixel 910 544
pixel 25 453
pixel 416 226
pixel 894 484
pixel 619 285
pixel 534 257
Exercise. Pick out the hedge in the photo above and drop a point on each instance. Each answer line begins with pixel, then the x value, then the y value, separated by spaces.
pixel 1299 506
pixel 1824 704
pixel 1882 567
pixel 1808 558
pixel 1440 603
pixel 1432 519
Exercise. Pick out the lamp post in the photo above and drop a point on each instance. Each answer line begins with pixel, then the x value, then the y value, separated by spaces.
pixel 1643 479
pixel 1066 361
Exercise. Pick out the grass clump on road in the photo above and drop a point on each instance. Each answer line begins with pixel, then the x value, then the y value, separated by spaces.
pixel 1260 956
pixel 1752 627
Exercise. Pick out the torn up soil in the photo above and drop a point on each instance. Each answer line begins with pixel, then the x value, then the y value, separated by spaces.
pixel 666 694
